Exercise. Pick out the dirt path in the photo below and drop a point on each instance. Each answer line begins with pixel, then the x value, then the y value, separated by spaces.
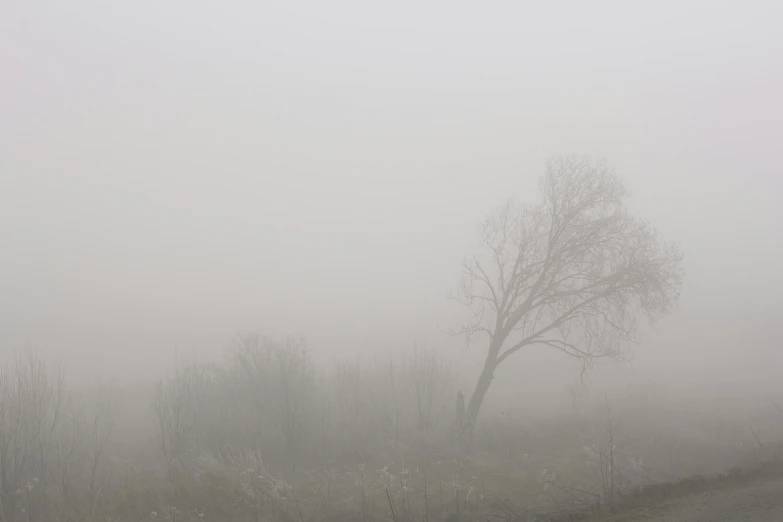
pixel 758 502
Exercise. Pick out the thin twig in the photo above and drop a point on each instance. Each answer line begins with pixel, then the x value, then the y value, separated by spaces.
pixel 391 506
pixel 758 441
pixel 508 508
pixel 426 502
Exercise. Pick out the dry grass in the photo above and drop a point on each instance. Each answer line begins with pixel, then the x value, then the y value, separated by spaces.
pixel 501 475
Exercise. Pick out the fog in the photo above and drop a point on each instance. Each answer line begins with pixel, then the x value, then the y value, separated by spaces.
pixel 175 173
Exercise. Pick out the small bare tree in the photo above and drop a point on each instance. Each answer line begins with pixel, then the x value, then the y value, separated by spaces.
pixel 276 380
pixel 348 394
pixel 175 412
pixel 573 272
pixel 44 392
pixel 70 450
pixel 602 458
pixel 295 378
pixel 101 425
pixel 32 400
pixel 429 374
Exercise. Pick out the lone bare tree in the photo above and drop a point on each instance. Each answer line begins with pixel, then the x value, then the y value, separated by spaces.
pixel 574 272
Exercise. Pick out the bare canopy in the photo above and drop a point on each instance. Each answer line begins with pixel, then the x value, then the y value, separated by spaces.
pixel 574 272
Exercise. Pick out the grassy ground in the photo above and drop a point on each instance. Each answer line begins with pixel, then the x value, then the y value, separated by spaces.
pixel 514 470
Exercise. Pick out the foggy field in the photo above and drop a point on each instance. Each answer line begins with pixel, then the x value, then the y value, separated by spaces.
pixel 390 262
pixel 268 435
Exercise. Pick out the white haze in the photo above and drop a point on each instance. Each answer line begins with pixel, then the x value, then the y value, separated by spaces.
pixel 174 172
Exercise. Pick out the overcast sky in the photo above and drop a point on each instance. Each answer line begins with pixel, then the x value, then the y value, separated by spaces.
pixel 173 172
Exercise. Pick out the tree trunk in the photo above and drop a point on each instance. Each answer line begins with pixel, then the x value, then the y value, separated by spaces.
pixel 482 385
